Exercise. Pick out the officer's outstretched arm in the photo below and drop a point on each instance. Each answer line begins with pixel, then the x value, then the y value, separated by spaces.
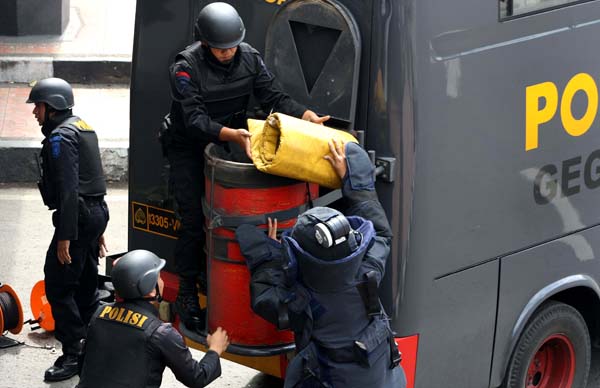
pixel 311 116
pixel 353 165
pixel 240 136
pixel 270 97
pixel 266 262
pixel 178 358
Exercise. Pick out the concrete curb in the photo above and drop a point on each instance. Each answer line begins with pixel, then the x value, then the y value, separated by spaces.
pixel 81 70
pixel 21 155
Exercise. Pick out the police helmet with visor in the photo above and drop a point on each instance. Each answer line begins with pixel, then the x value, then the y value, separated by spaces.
pixel 220 26
pixel 136 274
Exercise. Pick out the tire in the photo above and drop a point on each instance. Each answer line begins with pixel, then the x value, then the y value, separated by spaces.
pixel 553 351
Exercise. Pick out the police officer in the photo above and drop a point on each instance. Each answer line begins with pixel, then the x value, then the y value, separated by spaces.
pixel 129 346
pixel 72 183
pixel 211 84
pixel 321 281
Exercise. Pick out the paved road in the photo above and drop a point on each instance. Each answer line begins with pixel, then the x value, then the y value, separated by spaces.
pixel 25 231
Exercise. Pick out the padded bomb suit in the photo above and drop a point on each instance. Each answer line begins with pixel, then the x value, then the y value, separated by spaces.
pixel 325 300
pixel 132 350
pixel 72 183
pixel 208 95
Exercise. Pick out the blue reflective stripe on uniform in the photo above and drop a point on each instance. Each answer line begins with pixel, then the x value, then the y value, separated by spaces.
pixel 55 146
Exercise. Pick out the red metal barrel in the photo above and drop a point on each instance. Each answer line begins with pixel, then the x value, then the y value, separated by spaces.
pixel 240 190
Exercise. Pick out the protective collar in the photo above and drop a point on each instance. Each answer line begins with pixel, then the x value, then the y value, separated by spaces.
pixel 331 275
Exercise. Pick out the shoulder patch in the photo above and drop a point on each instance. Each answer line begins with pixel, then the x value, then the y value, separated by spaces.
pixel 182 79
pixel 82 125
pixel 55 146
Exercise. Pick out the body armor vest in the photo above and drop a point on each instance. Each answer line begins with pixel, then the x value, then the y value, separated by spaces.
pixel 343 326
pixel 45 184
pixel 122 331
pixel 91 175
pixel 337 308
pixel 226 92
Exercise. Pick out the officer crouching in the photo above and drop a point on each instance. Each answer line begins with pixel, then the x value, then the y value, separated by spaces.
pixel 129 346
pixel 321 281
pixel 71 183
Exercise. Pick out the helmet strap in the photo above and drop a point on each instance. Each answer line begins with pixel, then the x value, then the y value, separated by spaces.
pixel 47 113
pixel 158 297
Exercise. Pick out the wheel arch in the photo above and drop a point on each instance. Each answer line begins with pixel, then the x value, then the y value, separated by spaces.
pixel 579 291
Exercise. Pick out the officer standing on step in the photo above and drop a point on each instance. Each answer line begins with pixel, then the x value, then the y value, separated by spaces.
pixel 72 184
pixel 211 84
pixel 129 346
pixel 321 281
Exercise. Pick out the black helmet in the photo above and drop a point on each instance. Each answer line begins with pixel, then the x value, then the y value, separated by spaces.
pixel 136 274
pixel 325 233
pixel 55 92
pixel 220 26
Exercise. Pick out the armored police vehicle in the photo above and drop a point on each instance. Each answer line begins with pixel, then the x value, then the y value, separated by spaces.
pixel 482 119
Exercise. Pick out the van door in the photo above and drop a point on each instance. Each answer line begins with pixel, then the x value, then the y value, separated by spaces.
pixel 314 49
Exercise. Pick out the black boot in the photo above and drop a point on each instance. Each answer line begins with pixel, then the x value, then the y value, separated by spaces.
pixel 64 368
pixel 188 307
pixel 67 365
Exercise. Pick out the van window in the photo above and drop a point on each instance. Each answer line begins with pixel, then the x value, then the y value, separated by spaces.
pixel 510 8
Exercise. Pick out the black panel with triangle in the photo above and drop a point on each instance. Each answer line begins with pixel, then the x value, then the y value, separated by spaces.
pixel 313 56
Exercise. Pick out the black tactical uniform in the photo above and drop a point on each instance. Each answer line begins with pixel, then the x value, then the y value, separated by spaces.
pixel 72 184
pixel 208 95
pixel 328 296
pixel 129 346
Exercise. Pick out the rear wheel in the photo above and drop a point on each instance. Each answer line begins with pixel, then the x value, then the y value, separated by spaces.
pixel 553 352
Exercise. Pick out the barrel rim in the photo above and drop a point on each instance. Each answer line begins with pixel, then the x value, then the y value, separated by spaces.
pixel 232 174
pixel 242 350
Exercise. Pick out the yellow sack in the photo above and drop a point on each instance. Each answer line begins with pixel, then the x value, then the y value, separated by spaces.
pixel 294 148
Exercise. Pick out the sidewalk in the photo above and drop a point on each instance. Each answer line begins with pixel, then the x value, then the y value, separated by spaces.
pixel 105 108
pixel 96 47
pixel 94 54
pixel 96 29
